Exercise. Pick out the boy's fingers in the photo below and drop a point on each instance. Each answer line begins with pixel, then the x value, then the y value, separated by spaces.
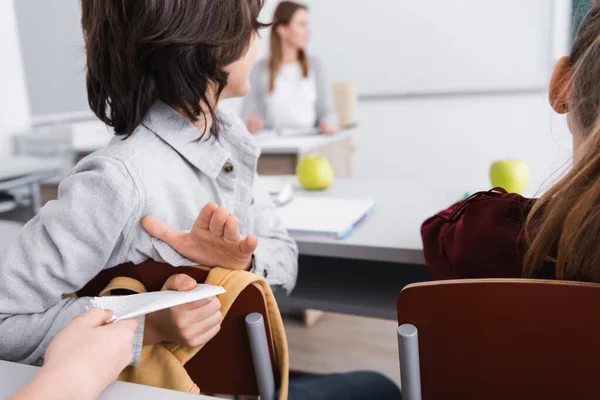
pixel 180 282
pixel 209 307
pixel 195 304
pixel 249 245
pixel 217 222
pixel 232 230
pixel 203 220
pixel 163 232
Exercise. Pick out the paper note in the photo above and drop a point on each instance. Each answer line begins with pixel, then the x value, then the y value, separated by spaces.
pixel 135 305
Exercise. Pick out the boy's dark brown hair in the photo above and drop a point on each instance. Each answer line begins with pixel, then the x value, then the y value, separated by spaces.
pixel 139 52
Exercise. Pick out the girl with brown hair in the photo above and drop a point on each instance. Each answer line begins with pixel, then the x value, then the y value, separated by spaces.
pixel 495 234
pixel 290 88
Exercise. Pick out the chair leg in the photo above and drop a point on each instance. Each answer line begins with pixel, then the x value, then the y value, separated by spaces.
pixel 410 371
pixel 261 356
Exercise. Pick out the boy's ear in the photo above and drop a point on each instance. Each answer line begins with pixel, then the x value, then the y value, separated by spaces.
pixel 560 86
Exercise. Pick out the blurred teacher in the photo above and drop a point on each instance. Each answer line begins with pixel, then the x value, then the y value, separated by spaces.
pixel 290 89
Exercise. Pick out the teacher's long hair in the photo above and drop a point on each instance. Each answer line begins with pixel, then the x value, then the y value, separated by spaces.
pixel 283 16
pixel 563 228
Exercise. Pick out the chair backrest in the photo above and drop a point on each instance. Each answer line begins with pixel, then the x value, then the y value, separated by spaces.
pixel 224 365
pixel 505 338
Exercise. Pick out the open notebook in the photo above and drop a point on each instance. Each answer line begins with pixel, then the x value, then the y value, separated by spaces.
pixel 135 305
pixel 324 216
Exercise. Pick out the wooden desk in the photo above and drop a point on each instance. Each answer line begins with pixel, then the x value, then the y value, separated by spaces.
pixel 280 155
pixel 14 376
pixel 364 273
pixel 28 172
pixel 15 167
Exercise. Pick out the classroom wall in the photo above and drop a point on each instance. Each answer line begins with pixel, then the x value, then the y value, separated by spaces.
pixel 437 46
pixel 449 139
pixel 14 106
pixel 452 142
pixel 52 47
pixel 455 139
pixel 53 53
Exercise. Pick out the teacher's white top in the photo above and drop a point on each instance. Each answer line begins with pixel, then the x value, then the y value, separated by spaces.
pixel 278 108
pixel 293 103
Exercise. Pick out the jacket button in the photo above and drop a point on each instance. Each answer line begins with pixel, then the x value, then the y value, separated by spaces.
pixel 228 168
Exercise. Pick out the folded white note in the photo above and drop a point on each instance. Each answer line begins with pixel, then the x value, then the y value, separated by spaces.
pixel 135 305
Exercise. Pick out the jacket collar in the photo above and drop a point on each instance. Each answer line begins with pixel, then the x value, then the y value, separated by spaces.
pixel 205 154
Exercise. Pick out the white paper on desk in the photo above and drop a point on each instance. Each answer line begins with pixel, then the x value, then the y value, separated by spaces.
pixel 291 132
pixel 135 305
pixel 270 134
pixel 324 215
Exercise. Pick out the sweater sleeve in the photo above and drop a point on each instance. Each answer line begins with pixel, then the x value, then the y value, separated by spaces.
pixel 59 251
pixel 276 257
pixel 480 237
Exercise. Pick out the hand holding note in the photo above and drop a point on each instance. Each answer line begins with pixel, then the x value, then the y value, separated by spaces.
pixel 192 324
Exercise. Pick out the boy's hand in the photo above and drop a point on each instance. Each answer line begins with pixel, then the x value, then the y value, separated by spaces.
pixel 214 240
pixel 191 324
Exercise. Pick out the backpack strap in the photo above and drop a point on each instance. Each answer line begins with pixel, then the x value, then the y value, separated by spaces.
pixel 123 283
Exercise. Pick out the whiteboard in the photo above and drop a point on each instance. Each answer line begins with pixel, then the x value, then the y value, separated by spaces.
pixel 390 47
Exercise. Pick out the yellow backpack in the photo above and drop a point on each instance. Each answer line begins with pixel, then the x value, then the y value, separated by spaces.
pixel 222 366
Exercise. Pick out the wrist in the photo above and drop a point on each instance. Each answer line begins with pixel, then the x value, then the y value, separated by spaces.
pixel 65 382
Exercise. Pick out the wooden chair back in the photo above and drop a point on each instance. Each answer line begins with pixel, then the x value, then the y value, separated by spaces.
pixel 505 338
pixel 224 365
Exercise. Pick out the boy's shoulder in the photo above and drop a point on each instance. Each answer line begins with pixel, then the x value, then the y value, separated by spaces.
pixel 141 144
pixel 123 148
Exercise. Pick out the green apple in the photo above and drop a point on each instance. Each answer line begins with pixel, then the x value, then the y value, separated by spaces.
pixel 511 175
pixel 314 172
